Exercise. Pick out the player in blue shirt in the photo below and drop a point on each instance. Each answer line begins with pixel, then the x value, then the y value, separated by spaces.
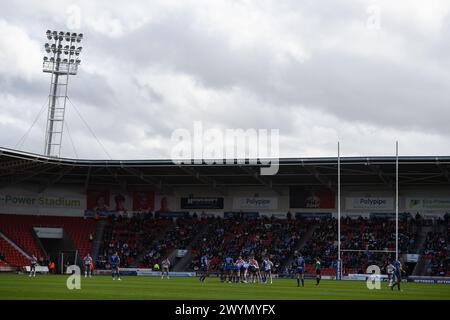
pixel 299 263
pixel 397 276
pixel 229 265
pixel 239 268
pixel 204 265
pixel 115 262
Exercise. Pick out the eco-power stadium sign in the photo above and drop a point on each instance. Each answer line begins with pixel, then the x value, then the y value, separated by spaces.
pixel 9 200
pixel 369 203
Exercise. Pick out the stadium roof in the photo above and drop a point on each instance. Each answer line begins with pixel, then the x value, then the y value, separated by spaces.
pixel 18 167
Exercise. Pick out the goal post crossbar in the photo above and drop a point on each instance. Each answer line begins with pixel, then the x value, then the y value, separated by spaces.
pixel 361 250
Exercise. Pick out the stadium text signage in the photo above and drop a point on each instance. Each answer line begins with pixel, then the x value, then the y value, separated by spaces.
pixel 255 203
pixel 202 203
pixel 10 200
pixel 369 203
pixel 428 204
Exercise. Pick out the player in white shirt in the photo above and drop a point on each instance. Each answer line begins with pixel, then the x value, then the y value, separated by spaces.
pixel 245 267
pixel 267 267
pixel 254 269
pixel 165 265
pixel 33 264
pixel 87 265
pixel 239 266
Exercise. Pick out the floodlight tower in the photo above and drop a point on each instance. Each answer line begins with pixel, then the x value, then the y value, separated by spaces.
pixel 61 59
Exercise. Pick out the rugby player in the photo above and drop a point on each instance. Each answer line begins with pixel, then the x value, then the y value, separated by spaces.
pixel 267 266
pixel 33 264
pixel 204 262
pixel 87 265
pixel 115 262
pixel 165 264
pixel 299 263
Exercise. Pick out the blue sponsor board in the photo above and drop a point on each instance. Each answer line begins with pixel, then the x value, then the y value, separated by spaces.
pixel 128 272
pixel 444 280
pixel 233 214
pixel 313 215
pixel 91 213
pixel 389 215
pixel 172 214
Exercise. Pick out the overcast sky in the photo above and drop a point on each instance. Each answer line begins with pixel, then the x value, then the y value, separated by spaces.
pixel 366 73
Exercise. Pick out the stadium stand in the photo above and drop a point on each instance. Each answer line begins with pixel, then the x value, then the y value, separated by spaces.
pixel 322 244
pixel 10 255
pixel 276 238
pixel 437 251
pixel 146 237
pixel 19 228
pixel 143 240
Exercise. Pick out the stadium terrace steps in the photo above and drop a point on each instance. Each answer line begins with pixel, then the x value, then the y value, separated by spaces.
pixel 14 255
pixel 422 265
pixel 303 241
pixel 308 235
pixel 186 260
pixel 97 243
pixel 158 237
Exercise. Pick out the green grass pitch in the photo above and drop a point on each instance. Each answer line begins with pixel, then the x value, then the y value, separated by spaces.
pixel 13 286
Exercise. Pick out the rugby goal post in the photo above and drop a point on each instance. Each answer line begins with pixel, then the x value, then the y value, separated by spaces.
pixel 339 256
